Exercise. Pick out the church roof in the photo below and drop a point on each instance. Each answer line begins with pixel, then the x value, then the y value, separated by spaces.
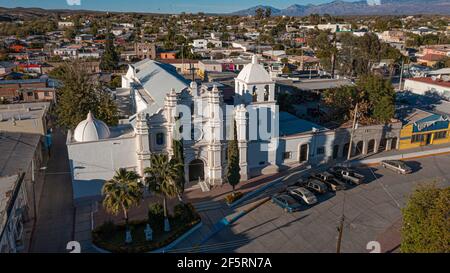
pixel 158 79
pixel 254 73
pixel 91 129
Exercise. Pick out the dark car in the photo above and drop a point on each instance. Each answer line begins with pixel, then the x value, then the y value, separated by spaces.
pixel 288 203
pixel 316 186
pixel 331 181
pixel 349 175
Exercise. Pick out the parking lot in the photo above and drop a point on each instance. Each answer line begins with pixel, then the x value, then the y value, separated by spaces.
pixel 371 210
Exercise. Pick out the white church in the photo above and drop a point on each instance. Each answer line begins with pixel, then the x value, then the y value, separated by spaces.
pixel 164 105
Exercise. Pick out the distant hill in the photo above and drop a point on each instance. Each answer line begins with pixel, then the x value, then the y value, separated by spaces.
pixel 252 10
pixel 386 7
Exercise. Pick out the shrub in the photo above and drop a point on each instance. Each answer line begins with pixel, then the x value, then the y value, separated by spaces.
pixel 156 216
pixel 184 213
pixel 107 229
pixel 231 198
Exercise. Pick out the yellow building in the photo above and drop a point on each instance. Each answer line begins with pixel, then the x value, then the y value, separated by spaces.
pixel 424 128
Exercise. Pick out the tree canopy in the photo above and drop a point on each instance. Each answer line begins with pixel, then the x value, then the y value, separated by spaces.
pixel 426 221
pixel 110 58
pixel 232 174
pixel 375 96
pixel 78 93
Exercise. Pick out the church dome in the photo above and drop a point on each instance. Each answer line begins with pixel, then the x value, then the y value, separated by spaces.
pixel 254 73
pixel 91 129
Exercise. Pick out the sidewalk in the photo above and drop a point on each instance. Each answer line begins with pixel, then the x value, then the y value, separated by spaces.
pixel 220 192
pixel 390 239
pixel 423 151
pixel 54 226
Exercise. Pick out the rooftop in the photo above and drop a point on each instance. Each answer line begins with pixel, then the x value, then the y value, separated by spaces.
pixel 16 152
pixel 7 185
pixel 316 84
pixel 158 79
pixel 291 125
pixel 431 81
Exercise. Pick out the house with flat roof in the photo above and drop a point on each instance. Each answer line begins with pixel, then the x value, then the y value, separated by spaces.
pixel 423 128
pixel 424 85
pixel 13 206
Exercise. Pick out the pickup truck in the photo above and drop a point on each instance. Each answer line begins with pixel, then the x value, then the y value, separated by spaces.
pixel 348 175
pixel 331 181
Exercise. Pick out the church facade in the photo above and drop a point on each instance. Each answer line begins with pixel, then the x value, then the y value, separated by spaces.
pixel 165 106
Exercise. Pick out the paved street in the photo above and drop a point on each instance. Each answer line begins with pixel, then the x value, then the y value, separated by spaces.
pixel 54 226
pixel 372 212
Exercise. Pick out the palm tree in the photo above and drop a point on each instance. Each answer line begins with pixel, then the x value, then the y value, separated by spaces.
pixel 122 192
pixel 161 178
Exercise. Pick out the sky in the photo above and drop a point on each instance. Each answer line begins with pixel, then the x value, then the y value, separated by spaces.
pixel 158 6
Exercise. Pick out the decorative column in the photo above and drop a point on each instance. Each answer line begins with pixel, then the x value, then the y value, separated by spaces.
pixel 194 90
pixel 241 128
pixel 214 138
pixel 142 143
pixel 274 141
pixel 170 105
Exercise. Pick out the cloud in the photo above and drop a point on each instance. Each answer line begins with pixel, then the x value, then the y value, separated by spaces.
pixel 73 2
pixel 373 2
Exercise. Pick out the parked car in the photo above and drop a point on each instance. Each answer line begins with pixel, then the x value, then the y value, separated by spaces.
pixel 397 166
pixel 348 175
pixel 331 181
pixel 316 186
pixel 302 194
pixel 288 203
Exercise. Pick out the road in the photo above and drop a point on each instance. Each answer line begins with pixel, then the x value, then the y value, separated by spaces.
pixel 54 227
pixel 371 210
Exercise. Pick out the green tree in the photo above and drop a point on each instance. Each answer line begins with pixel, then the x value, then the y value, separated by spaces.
pixel 78 93
pixel 286 69
pixel 122 193
pixel 268 13
pixel 375 96
pixel 110 58
pixel 178 158
pixel 161 178
pixel 259 13
pixel 232 175
pixel 426 221
pixel 381 96
pixel 70 33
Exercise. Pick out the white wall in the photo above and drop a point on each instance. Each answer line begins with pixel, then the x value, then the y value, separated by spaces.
pixel 421 88
pixel 94 162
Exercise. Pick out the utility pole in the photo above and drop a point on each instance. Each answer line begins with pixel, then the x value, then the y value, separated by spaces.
pixel 182 58
pixel 355 116
pixel 401 75
pixel 340 229
pixel 333 57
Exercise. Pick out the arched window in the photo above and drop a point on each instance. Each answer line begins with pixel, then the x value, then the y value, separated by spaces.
pixel 394 143
pixel 160 138
pixel 371 146
pixel 254 94
pixel 359 148
pixel 266 92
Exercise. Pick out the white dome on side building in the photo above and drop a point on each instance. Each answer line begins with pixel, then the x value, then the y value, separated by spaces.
pixel 254 73
pixel 91 129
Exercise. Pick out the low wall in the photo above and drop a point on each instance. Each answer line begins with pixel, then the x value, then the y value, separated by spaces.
pixel 405 156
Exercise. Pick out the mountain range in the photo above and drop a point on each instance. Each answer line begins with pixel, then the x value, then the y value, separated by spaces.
pixel 370 7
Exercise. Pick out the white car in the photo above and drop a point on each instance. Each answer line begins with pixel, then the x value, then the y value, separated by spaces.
pixel 396 166
pixel 302 194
